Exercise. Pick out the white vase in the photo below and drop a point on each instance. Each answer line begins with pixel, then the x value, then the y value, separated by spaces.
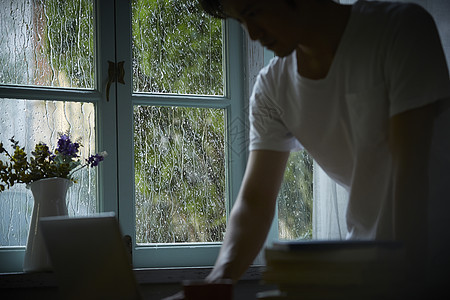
pixel 49 200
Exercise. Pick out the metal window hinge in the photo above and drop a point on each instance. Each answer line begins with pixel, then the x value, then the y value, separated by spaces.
pixel 116 73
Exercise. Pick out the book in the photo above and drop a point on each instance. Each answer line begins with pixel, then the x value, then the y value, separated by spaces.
pixel 337 251
pixel 353 293
pixel 334 269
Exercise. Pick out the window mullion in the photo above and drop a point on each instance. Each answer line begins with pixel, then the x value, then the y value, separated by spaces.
pixel 237 120
pixel 126 210
pixel 106 111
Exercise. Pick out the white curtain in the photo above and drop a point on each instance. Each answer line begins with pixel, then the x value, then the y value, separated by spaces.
pixel 330 199
pixel 329 206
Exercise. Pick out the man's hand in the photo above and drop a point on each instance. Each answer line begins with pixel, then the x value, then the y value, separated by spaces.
pixel 202 290
pixel 177 296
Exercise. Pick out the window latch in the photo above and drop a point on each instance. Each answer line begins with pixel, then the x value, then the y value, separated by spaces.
pixel 116 73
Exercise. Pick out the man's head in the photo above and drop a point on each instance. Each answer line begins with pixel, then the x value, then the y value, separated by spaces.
pixel 274 24
pixel 214 8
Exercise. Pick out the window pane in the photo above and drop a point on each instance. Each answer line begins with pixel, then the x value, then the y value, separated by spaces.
pixel 179 174
pixel 47 43
pixel 295 200
pixel 176 48
pixel 31 122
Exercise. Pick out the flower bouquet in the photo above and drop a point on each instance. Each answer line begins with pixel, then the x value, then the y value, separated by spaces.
pixel 63 162
pixel 48 175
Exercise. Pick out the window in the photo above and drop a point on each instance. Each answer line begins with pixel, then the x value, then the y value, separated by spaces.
pixel 179 152
pixel 47 87
pixel 181 127
pixel 295 200
pixel 174 131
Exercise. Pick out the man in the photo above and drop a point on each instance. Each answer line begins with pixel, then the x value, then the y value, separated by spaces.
pixel 360 88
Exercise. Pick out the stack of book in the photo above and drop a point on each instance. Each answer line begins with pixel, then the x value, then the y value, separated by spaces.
pixel 334 270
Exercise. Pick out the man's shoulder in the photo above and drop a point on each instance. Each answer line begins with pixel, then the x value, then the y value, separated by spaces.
pixel 391 10
pixel 277 63
pixel 278 67
pixel 389 24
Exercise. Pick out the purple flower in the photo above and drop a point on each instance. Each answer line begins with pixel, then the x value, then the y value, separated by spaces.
pixel 66 147
pixel 94 160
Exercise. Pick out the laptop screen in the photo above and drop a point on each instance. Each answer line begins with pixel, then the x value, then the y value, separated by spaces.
pixel 89 257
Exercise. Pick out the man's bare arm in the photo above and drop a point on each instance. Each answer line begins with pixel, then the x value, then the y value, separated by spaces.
pixel 251 215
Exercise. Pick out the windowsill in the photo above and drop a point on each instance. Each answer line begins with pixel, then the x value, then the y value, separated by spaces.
pixel 143 276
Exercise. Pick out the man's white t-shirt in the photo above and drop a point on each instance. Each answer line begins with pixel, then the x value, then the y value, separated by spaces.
pixel 389 60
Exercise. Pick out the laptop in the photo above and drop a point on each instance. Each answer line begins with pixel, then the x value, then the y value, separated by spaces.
pixel 89 257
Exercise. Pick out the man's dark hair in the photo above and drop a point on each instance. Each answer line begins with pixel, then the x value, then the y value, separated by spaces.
pixel 214 8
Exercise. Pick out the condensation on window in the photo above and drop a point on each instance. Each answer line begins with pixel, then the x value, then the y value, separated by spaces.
pixel 179 161
pixel 34 121
pixel 295 200
pixel 47 43
pixel 177 48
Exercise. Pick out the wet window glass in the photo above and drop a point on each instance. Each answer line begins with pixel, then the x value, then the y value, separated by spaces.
pixel 31 122
pixel 47 43
pixel 179 157
pixel 177 48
